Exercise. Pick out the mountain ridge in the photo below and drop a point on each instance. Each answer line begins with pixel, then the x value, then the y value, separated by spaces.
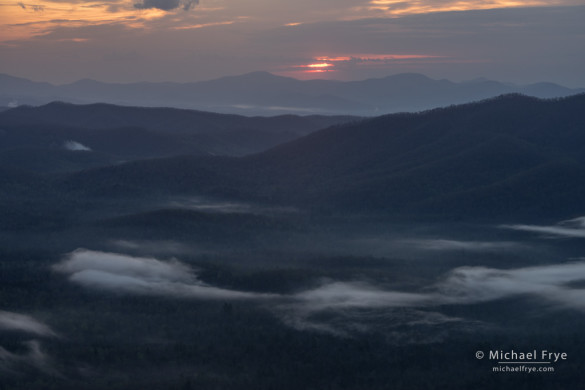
pixel 507 154
pixel 120 133
pixel 263 93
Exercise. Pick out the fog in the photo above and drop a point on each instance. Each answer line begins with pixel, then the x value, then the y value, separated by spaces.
pixel 573 228
pixel 140 275
pixel 34 355
pixel 553 284
pixel 10 321
pixel 76 146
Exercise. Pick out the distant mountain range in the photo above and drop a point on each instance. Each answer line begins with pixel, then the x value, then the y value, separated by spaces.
pixel 262 93
pixel 504 158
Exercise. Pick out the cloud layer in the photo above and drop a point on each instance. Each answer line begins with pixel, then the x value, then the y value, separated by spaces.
pixel 126 41
pixel 166 5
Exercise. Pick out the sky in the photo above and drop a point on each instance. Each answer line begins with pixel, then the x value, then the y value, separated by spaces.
pixel 520 41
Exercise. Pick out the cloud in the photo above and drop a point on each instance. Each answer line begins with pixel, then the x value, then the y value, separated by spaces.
pixel 337 307
pixel 461 286
pixel 34 7
pixel 467 285
pixel 260 42
pixel 166 5
pixel 212 206
pixel 34 356
pixel 324 64
pixel 141 275
pixel 393 7
pixel 76 146
pixel 358 295
pixel 138 267
pixel 454 245
pixel 573 228
pixel 19 322
pixel 201 204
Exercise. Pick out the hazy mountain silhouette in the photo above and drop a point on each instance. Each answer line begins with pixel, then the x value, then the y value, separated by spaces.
pixel 505 157
pixel 262 93
pixel 57 135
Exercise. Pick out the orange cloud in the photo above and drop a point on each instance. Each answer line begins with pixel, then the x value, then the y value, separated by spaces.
pixel 401 7
pixel 356 58
pixel 21 20
pixel 202 25
pixel 332 58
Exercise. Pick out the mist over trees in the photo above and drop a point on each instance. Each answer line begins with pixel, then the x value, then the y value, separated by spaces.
pixel 146 248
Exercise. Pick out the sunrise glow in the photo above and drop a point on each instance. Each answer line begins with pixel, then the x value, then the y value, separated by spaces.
pixel 321 65
pixel 328 39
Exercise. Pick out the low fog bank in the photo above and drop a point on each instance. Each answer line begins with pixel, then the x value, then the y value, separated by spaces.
pixel 140 275
pixel 555 285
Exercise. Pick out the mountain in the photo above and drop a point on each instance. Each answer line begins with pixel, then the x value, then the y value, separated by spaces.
pixel 262 93
pixel 64 136
pixel 511 156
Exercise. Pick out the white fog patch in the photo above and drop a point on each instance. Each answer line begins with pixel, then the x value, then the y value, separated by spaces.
pixel 467 285
pixel 141 275
pixel 357 295
pixel 146 268
pixel 456 245
pixel 20 322
pixel 572 228
pixel 216 206
pixel 76 146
